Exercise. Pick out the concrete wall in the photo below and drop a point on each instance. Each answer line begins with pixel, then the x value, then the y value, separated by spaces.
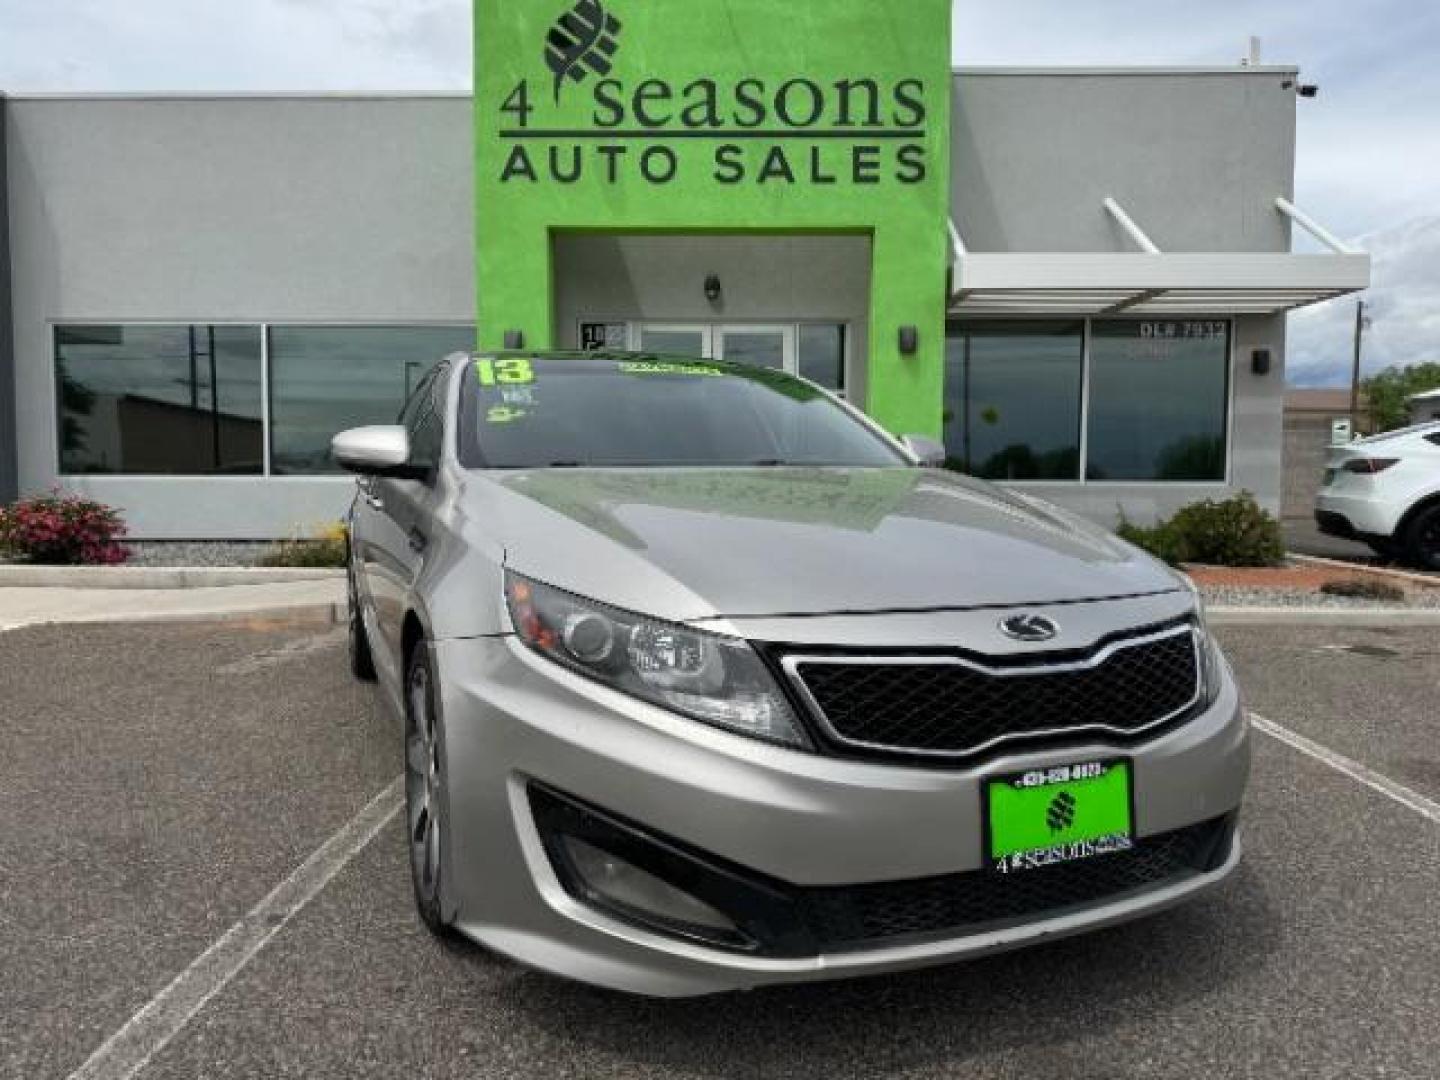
pixel 786 279
pixel 9 481
pixel 1196 158
pixel 320 210
pixel 1307 448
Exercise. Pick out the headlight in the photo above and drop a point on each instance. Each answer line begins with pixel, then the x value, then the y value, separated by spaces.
pixel 1212 663
pixel 708 677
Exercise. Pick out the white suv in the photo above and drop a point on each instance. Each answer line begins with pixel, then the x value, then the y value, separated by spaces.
pixel 1385 491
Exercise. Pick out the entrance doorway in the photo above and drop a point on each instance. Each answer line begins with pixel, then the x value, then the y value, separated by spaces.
pixel 813 350
pixel 762 346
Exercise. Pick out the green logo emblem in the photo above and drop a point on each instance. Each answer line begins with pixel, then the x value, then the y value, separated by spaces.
pixel 1061 813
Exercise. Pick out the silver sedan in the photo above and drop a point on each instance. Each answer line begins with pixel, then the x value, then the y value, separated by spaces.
pixel 709 683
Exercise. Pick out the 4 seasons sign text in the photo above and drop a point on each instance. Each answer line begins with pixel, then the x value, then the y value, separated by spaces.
pixel 858 130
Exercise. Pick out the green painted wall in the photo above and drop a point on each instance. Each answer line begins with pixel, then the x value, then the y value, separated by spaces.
pixel 721 116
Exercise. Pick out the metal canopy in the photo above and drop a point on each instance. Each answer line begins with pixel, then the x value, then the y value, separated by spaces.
pixel 1153 282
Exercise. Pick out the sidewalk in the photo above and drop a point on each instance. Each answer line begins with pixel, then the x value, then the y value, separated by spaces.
pixel 309 601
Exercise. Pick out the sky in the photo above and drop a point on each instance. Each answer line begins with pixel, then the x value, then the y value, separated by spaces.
pixel 1369 145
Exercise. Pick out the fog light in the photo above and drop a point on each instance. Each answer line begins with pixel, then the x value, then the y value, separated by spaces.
pixel 629 887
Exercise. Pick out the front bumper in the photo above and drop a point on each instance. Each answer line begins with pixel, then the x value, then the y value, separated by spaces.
pixel 813 823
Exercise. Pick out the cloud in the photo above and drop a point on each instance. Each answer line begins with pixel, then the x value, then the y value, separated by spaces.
pixel 1404 306
pixel 214 46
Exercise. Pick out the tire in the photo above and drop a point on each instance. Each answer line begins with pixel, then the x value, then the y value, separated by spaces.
pixel 1382 546
pixel 426 806
pixel 1422 539
pixel 362 662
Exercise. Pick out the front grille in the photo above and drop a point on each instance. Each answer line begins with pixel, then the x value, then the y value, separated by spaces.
pixel 952 706
pixel 977 901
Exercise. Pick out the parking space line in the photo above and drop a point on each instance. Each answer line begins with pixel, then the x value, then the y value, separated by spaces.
pixel 1426 808
pixel 146 1033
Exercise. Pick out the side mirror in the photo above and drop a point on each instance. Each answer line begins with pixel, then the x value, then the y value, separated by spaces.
pixel 930 452
pixel 376 451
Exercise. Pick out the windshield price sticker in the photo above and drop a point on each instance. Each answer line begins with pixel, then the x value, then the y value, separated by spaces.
pixel 1047 816
pixel 510 371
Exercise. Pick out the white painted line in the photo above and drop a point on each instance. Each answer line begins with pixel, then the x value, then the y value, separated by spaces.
pixel 1426 808
pixel 146 1033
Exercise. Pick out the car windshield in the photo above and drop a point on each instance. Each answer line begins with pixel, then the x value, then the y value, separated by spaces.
pixel 520 412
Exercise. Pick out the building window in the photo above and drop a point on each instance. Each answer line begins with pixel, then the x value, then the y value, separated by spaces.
pixel 168 400
pixel 820 349
pixel 1013 398
pixel 1158 397
pixel 324 379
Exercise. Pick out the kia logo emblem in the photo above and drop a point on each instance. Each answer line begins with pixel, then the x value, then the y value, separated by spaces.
pixel 1030 628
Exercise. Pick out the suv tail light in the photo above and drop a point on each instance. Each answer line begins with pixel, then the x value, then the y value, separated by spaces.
pixel 1369 466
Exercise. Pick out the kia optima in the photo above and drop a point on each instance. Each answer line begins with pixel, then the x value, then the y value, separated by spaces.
pixel 708 682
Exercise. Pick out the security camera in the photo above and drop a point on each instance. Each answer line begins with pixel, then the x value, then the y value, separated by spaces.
pixel 1307 90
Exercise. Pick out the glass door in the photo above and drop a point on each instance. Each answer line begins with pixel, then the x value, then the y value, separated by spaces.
pixel 815 350
pixel 758 346
pixel 675 339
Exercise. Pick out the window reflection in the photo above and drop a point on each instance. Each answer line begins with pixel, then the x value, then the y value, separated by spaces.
pixel 1012 400
pixel 173 400
pixel 324 379
pixel 1158 394
pixel 821 351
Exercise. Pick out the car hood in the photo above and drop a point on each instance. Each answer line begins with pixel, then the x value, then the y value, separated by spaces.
pixel 690 544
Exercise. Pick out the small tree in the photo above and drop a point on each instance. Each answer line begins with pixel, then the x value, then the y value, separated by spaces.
pixel 1390 390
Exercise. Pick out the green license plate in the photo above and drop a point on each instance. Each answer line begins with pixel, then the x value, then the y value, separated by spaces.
pixel 1057 815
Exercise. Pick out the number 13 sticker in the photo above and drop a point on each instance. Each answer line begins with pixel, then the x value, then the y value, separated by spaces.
pixel 510 372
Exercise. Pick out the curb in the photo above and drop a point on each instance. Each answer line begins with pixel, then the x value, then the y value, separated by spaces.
pixel 334 614
pixel 1322 616
pixel 1429 580
pixel 155 577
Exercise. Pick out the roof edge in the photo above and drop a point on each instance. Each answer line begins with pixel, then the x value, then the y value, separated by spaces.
pixel 1125 70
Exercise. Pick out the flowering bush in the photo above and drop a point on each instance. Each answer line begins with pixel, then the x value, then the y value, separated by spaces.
pixel 62 530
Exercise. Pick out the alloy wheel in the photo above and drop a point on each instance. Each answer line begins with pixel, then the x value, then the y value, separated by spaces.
pixel 422 785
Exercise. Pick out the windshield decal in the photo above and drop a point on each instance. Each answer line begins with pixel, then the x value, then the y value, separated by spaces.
pixel 510 371
pixel 504 414
pixel 666 367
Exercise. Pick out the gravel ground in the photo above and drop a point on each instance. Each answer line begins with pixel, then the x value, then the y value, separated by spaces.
pixel 197 553
pixel 1238 597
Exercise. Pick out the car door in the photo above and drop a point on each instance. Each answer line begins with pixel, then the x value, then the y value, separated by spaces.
pixel 404 507
pixel 385 515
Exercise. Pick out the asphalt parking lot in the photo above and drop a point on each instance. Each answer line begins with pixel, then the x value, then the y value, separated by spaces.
pixel 156 783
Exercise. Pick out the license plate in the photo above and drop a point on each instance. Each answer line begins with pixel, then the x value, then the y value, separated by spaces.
pixel 1047 816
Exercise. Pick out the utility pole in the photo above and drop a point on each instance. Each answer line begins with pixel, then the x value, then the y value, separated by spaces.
pixel 1360 323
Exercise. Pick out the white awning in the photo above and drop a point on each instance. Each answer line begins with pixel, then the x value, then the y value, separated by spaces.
pixel 1152 282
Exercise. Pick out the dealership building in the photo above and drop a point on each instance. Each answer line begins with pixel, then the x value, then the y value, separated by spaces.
pixel 1079 278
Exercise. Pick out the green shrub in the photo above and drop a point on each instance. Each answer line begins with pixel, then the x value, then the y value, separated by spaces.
pixel 1230 532
pixel 1364 589
pixel 1160 540
pixel 325 550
